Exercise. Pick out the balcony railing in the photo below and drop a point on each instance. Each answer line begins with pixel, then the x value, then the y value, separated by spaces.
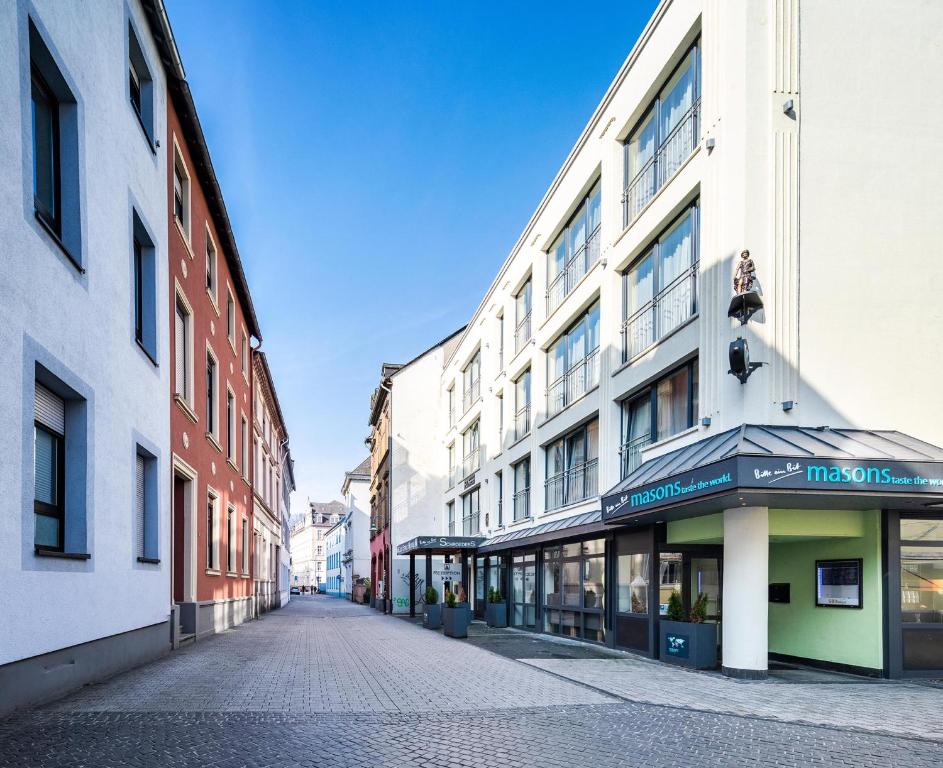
pixel 522 422
pixel 452 417
pixel 672 306
pixel 522 505
pixel 575 484
pixel 573 384
pixel 500 511
pixel 522 333
pixel 668 158
pixel 630 454
pixel 471 463
pixel 471 395
pixel 471 525
pixel 453 475
pixel 578 265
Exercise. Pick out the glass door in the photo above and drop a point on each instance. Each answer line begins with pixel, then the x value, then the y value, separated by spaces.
pixel 480 596
pixel 921 593
pixel 524 591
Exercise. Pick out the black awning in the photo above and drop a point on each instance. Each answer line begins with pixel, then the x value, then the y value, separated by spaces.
pixel 439 545
pixel 777 466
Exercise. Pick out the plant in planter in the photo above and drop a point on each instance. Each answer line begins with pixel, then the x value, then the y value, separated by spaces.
pixel 496 611
pixel 367 592
pixel 691 643
pixel 455 617
pixel 432 612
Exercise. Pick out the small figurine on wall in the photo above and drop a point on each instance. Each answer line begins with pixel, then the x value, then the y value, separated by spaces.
pixel 745 275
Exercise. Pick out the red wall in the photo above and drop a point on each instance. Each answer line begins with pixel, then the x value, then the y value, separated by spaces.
pixel 187 271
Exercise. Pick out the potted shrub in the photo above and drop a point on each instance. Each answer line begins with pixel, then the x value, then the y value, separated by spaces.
pixel 496 612
pixel 432 612
pixel 455 617
pixel 691 642
pixel 367 592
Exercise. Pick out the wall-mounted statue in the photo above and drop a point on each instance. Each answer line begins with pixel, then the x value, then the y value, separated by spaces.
pixel 745 275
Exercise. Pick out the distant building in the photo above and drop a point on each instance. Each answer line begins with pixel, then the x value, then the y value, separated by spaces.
pixel 309 544
pixel 334 547
pixel 355 562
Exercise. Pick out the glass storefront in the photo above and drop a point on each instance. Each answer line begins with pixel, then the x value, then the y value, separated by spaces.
pixel 921 593
pixel 496 574
pixel 633 576
pixel 669 578
pixel 524 591
pixel 575 590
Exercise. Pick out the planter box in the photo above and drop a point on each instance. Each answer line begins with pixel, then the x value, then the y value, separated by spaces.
pixel 432 616
pixel 455 620
pixel 496 614
pixel 380 604
pixel 370 600
pixel 687 644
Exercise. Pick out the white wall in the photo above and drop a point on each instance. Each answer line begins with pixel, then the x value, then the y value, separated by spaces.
pixel 357 500
pixel 80 325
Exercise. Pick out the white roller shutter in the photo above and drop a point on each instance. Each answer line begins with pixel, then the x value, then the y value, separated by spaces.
pixel 50 409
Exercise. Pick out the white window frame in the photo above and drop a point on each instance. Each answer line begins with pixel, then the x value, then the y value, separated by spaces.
pixel 244 440
pixel 231 318
pixel 211 254
pixel 244 355
pixel 185 398
pixel 184 226
pixel 232 554
pixel 231 455
pixel 213 435
pixel 213 494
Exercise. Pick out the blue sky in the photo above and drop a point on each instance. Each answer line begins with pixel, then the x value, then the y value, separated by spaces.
pixel 379 160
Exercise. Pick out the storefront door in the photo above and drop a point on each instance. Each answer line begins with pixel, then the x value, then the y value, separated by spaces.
pixel 481 597
pixel 921 595
pixel 524 590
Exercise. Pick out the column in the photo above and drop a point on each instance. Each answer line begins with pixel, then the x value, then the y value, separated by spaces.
pixel 746 592
pixel 429 570
pixel 412 585
pixel 468 592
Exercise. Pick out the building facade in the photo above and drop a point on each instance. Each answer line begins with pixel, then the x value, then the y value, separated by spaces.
pixel 83 339
pixel 333 566
pixel 287 489
pixel 601 455
pixel 356 558
pixel 211 322
pixel 309 544
pixel 379 444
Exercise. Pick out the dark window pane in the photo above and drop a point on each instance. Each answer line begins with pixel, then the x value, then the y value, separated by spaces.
pixel 138 292
pixel 921 584
pixel 46 467
pixel 45 116
pixel 47 531
pixel 923 649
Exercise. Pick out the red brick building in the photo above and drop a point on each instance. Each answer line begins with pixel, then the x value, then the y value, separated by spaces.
pixel 379 441
pixel 212 322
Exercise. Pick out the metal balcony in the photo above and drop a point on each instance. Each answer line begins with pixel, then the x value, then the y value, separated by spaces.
pixel 573 384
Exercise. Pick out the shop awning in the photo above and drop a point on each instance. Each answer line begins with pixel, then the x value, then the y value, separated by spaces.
pixel 577 525
pixel 754 465
pixel 438 545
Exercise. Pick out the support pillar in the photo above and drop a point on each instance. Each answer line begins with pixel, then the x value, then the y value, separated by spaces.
pixel 428 569
pixel 746 593
pixel 465 576
pixel 412 585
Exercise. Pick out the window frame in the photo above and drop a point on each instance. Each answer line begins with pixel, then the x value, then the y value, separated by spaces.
pixel 57 510
pixel 186 397
pixel 212 531
pixel 182 172
pixel 212 396
pixel 51 219
pixel 211 271
pixel 570 254
pixel 231 449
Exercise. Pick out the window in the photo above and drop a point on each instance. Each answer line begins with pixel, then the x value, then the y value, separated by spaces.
pixel 211 425
pixel 451 392
pixel 664 138
pixel 499 406
pixel 47 191
pixel 140 86
pixel 145 505
pixel 230 540
pixel 212 544
pixel 181 194
pixel 230 426
pixel 245 546
pixel 522 405
pixel 183 384
pixel 572 467
pixel 634 574
pixel 471 450
pixel 522 308
pixel 521 490
pixel 450 513
pixel 49 470
pixel 499 493
pixel 230 319
pixel 575 590
pixel 210 266
pixel 666 408
pixel 451 464
pixel 471 381
pixel 501 343
pixel 576 249
pixel 144 272
pixel 245 447
pixel 471 513
pixel 573 362
pixel 659 291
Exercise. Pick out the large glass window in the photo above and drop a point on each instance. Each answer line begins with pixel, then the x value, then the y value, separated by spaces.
pixel 524 591
pixel 521 490
pixel 49 470
pixel 665 408
pixel 573 362
pixel 522 405
pixel 46 173
pixel 471 381
pixel 660 288
pixel 471 443
pixel 575 250
pixel 921 592
pixel 522 330
pixel 471 513
pixel 664 138
pixel 634 572
pixel 450 515
pixel 574 590
pixel 572 467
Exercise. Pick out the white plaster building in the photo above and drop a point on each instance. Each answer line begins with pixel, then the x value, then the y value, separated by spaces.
pixel 309 544
pixel 355 562
pixel 85 556
pixel 602 343
pixel 333 567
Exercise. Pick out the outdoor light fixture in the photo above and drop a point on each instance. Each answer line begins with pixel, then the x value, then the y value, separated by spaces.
pixel 709 142
pixel 787 106
pixel 740 365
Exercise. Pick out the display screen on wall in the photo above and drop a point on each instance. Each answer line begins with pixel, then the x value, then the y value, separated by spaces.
pixel 838 583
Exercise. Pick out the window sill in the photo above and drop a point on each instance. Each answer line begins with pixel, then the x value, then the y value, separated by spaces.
pixel 147 352
pixel 232 464
pixel 656 344
pixel 572 505
pixel 58 241
pixel 147 135
pixel 572 291
pixel 149 560
pixel 568 406
pixel 42 552
pixel 184 236
pixel 523 520
pixel 232 574
pixel 213 302
pixel 187 410
pixel 213 441
pixel 213 572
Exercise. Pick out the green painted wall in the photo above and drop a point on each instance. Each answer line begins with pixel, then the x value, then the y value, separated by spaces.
pixel 840 635
pixel 707 529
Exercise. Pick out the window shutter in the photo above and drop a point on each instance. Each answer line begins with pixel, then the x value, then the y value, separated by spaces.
pixel 139 505
pixel 49 409
pixel 180 352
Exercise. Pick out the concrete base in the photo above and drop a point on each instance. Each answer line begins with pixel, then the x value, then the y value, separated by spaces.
pixel 208 617
pixel 50 676
pixel 745 674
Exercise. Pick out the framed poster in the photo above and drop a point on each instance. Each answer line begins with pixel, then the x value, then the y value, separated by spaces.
pixel 838 583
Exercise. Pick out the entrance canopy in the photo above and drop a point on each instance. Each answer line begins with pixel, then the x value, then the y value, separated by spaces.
pixel 786 467
pixel 438 545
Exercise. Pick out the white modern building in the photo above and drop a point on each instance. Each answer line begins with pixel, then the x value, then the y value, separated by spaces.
pixel 309 544
pixel 334 541
pixel 601 455
pixel 85 555
pixel 355 563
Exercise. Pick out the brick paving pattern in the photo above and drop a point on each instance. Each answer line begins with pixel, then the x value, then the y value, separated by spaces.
pixel 326 683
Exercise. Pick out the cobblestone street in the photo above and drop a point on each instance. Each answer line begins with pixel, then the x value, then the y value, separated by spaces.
pixel 323 682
